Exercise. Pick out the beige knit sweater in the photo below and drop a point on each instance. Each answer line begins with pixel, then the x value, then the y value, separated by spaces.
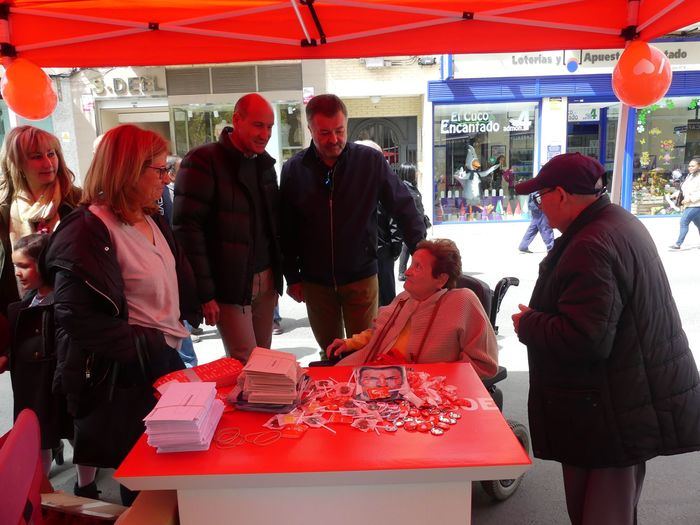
pixel 461 331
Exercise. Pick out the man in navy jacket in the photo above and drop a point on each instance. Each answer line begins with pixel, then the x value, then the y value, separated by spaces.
pixel 329 195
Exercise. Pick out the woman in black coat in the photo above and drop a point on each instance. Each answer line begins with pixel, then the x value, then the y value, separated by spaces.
pixel 122 288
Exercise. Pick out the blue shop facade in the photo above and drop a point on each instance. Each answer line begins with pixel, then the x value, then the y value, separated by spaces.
pixel 490 133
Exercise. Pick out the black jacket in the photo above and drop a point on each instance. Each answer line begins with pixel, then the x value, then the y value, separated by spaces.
pixel 329 231
pixel 612 379
pixel 214 220
pixel 91 309
pixel 32 367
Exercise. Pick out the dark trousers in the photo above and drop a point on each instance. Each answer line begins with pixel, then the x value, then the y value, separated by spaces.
pixel 387 284
pixel 603 496
pixel 342 311
pixel 538 224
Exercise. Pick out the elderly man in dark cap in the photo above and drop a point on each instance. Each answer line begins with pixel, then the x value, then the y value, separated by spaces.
pixel 612 380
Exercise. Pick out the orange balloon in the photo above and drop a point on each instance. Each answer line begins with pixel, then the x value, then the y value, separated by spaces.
pixel 28 91
pixel 642 75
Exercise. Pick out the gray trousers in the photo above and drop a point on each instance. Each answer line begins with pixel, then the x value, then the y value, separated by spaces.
pixel 603 496
pixel 242 328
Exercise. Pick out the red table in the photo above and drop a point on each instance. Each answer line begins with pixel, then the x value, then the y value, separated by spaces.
pixel 346 478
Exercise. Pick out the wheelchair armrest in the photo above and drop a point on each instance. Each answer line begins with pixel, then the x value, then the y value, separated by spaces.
pixel 325 362
pixel 499 293
pixel 500 376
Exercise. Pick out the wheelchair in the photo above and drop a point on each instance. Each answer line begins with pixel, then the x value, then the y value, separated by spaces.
pixel 501 489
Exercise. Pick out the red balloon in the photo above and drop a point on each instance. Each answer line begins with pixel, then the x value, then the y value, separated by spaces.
pixel 642 75
pixel 28 91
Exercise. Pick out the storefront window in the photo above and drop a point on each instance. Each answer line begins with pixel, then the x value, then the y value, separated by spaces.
pixel 290 129
pixel 480 152
pixel 667 137
pixel 592 129
pixel 198 124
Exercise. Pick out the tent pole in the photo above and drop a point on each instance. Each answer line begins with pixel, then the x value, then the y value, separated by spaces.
pixel 6 57
pixel 529 7
pixel 620 145
pixel 658 15
pixel 623 120
pixel 81 39
pixel 301 20
pixel 549 25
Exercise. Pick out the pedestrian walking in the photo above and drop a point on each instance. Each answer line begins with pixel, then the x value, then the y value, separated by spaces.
pixel 538 223
pixel 689 198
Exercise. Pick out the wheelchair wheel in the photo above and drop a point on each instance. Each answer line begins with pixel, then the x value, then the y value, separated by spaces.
pixel 502 489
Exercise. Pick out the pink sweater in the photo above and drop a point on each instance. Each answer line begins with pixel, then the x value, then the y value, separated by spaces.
pixel 461 331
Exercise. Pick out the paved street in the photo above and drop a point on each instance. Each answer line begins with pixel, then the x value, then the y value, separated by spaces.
pixel 489 251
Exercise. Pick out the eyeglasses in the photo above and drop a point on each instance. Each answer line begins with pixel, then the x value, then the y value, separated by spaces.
pixel 537 196
pixel 162 170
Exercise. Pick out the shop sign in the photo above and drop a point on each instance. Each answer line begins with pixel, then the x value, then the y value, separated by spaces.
pixel 683 55
pixel 522 123
pixel 468 122
pixel 125 82
pixel 480 122
pixel 578 114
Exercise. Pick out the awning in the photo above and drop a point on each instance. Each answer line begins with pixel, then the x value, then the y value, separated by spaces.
pixel 85 33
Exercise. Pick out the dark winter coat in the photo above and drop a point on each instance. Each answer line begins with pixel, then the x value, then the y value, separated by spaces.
pixel 91 309
pixel 214 220
pixel 418 201
pixel 32 367
pixel 329 216
pixel 612 380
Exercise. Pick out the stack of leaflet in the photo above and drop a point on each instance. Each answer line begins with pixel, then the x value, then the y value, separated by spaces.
pixel 185 418
pixel 270 381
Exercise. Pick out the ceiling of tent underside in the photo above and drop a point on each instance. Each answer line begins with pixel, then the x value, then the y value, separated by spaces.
pixel 84 33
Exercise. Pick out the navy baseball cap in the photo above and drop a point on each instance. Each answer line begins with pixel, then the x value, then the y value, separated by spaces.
pixel 573 172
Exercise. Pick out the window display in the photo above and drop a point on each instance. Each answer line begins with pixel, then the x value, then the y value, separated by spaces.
pixel 290 129
pixel 667 137
pixel 480 152
pixel 592 130
pixel 198 124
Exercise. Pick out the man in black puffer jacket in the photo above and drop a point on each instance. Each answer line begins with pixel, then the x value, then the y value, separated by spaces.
pixel 225 215
pixel 612 380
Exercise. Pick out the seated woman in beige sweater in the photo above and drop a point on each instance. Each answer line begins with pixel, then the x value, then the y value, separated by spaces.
pixel 430 322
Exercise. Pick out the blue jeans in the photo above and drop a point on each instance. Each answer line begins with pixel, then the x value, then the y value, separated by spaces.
pixel 187 349
pixel 538 224
pixel 689 215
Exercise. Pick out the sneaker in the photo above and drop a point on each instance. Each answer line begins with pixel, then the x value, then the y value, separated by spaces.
pixel 524 251
pixel 675 246
pixel 88 491
pixel 197 331
pixel 195 338
pixel 276 328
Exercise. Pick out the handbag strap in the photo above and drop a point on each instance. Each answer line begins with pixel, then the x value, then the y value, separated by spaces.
pixel 377 345
pixel 430 325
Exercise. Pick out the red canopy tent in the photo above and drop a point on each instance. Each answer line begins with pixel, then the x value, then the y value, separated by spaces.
pixel 90 33
pixel 84 33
